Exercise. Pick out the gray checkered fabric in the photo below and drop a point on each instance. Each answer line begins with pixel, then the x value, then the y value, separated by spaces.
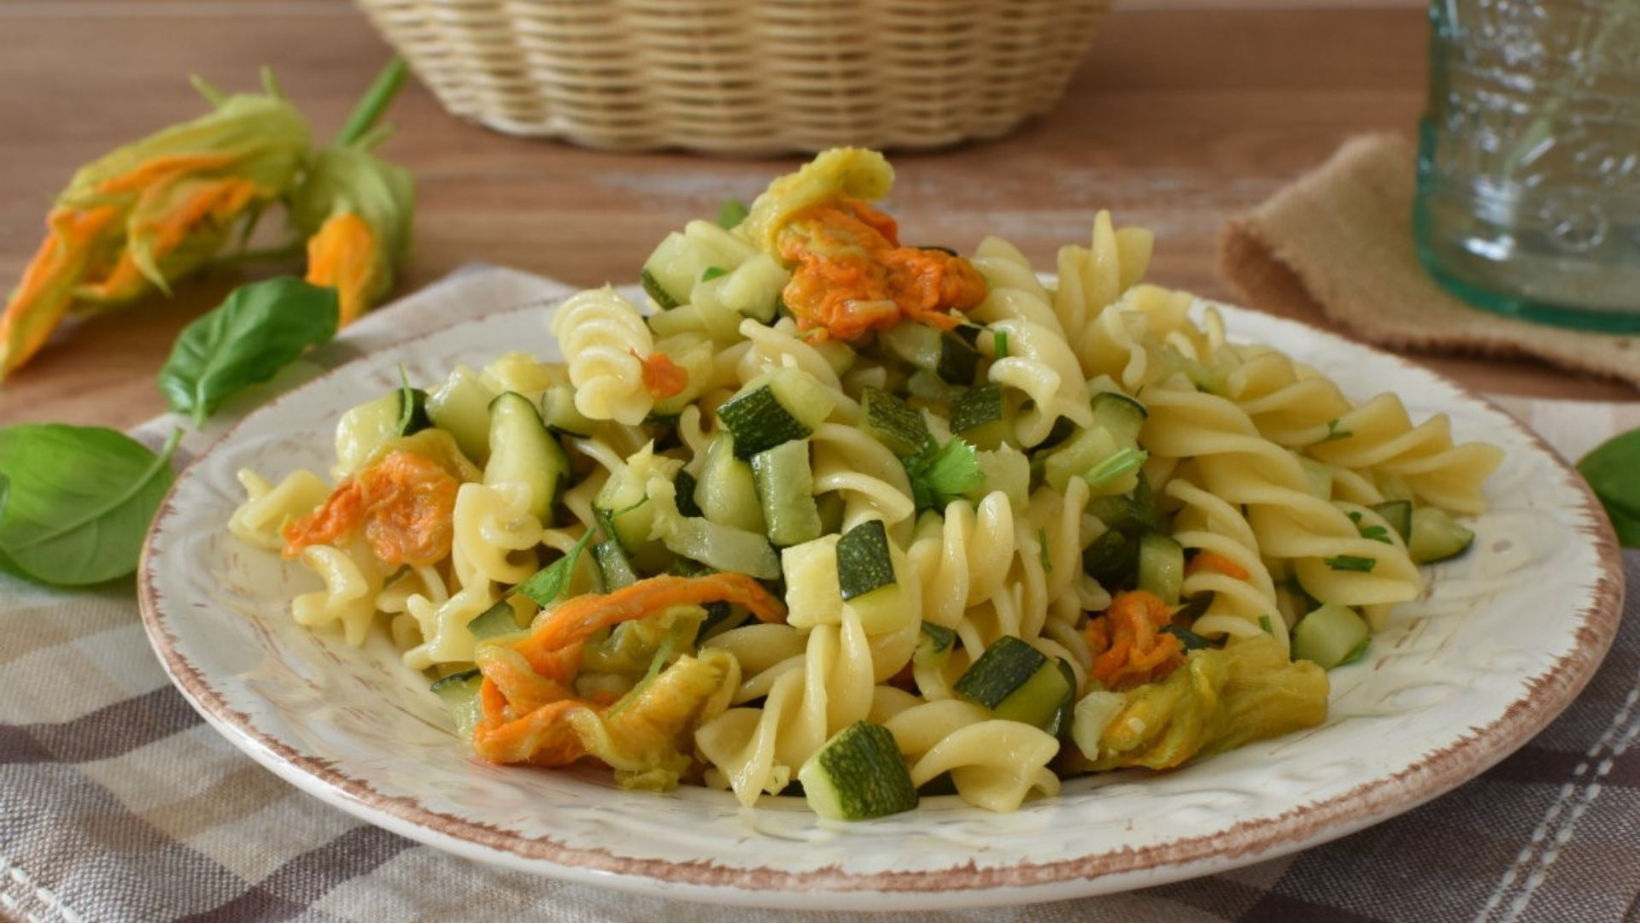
pixel 121 804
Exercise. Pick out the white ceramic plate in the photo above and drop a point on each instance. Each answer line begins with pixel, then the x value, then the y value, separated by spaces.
pixel 1504 640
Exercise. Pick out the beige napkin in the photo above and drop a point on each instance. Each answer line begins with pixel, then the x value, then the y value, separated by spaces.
pixel 1339 241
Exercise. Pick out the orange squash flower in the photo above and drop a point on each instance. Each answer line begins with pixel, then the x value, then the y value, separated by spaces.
pixel 153 212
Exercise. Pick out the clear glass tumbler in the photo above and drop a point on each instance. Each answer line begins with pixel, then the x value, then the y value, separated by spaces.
pixel 1529 158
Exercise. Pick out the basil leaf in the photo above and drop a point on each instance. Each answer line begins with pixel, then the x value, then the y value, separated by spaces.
pixel 731 213
pixel 75 502
pixel 259 329
pixel 545 585
pixel 1610 470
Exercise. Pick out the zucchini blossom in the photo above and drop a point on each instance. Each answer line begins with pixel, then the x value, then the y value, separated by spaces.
pixel 356 209
pixel 149 214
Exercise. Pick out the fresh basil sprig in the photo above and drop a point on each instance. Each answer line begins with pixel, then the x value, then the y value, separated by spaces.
pixel 75 502
pixel 1613 470
pixel 259 329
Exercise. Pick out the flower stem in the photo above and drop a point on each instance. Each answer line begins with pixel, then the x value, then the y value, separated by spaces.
pixel 374 102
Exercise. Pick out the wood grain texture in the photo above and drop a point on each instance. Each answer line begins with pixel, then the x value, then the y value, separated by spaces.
pixel 1177 120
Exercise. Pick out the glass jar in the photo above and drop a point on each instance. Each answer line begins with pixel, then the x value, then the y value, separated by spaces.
pixel 1529 158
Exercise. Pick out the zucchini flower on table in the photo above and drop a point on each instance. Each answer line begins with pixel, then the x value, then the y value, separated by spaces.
pixel 355 208
pixel 153 212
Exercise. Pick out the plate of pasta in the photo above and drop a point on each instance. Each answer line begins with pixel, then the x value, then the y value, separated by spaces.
pixel 821 569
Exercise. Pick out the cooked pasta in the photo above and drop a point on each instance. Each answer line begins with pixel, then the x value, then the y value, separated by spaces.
pixel 605 339
pixel 871 520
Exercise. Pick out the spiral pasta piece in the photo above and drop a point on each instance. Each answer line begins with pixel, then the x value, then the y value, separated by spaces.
pixel 1004 267
pixel 1240 583
pixel 758 750
pixel 495 535
pixel 1289 521
pixel 353 578
pixel 1040 364
pixel 1093 278
pixel 994 763
pixel 1381 437
pixel 268 507
pixel 604 339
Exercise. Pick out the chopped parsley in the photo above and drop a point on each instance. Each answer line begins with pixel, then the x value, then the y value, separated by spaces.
pixel 1333 433
pixel 1351 563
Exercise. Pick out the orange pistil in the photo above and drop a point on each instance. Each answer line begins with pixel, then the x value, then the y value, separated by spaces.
pixel 405 503
pixel 662 377
pixel 344 255
pixel 47 289
pixel 1213 561
pixel 1127 644
pixel 853 277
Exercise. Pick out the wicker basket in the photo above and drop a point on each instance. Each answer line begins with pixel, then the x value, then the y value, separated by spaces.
pixel 744 77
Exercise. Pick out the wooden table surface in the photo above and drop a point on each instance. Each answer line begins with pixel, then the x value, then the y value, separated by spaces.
pixel 1178 120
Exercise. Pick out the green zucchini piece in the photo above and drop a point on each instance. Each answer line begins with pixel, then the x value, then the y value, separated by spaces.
pixel 724 548
pixel 1077 456
pixel 1161 567
pixel 1004 667
pixel 559 413
pixel 670 273
pixel 500 619
pixel 1329 634
pixel 864 562
pixel 727 490
pixel 752 289
pixel 460 695
pixel 461 407
pixel 947 355
pixel 786 404
pixel 368 425
pixel 858 774
pixel 522 451
pixel 895 424
pixel 656 291
pixel 1112 559
pixel 1121 415
pixel 785 490
pixel 1134 513
pixel 980 416
pixel 1437 537
pixel 930 387
pixel 1017 682
pixel 623 510
pixel 917 344
pixel 959 360
pixel 1398 514
pixel 1060 722
pixel 613 566
pixel 686 485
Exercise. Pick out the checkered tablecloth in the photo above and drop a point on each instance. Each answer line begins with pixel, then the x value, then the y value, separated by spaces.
pixel 117 802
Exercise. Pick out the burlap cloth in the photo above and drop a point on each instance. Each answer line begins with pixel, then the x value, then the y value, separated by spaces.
pixel 1340 241
pixel 119 803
